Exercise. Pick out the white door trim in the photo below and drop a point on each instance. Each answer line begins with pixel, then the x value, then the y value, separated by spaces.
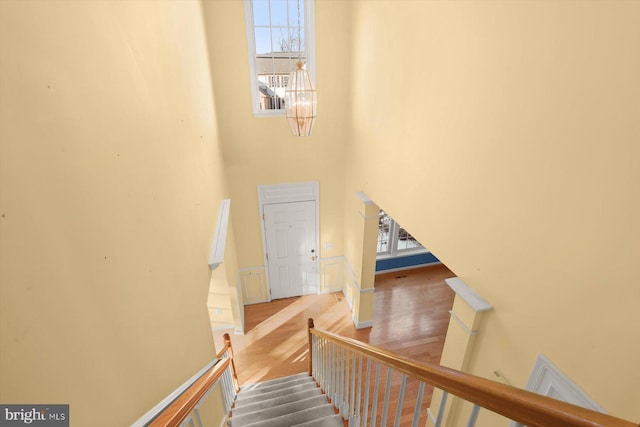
pixel 287 193
pixel 546 379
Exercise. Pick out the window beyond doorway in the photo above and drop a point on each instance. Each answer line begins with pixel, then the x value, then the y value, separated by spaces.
pixel 393 239
pixel 274 48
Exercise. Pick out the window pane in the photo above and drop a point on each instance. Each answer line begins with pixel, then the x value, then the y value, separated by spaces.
pixel 281 41
pixel 279 13
pixel 263 40
pixel 296 45
pixel 384 227
pixel 406 240
pixel 261 12
pixel 277 47
pixel 293 13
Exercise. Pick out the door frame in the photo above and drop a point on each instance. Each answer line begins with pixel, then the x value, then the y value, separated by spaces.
pixel 288 193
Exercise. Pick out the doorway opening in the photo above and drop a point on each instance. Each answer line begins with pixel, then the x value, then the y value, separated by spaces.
pixel 290 236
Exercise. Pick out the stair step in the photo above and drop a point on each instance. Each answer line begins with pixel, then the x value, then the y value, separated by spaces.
pixel 332 421
pixel 244 400
pixel 277 411
pixel 245 408
pixel 263 389
pixel 296 418
pixel 276 381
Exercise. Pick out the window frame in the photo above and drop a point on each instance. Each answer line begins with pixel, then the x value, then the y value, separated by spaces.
pixel 309 50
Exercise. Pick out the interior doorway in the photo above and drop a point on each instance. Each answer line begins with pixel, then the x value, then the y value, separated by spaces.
pixel 291 248
pixel 290 236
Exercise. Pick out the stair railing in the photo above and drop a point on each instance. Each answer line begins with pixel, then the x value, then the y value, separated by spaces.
pixel 185 408
pixel 348 372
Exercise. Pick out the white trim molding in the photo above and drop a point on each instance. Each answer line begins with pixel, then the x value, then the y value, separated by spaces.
pixel 365 199
pixel 259 272
pixel 288 192
pixel 331 268
pixel 546 379
pixel 224 326
pixel 430 415
pixel 475 301
pixel 216 257
pixel 462 325
pixel 362 325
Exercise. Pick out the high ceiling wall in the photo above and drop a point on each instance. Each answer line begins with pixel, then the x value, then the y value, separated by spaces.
pixel 110 181
pixel 504 136
pixel 259 150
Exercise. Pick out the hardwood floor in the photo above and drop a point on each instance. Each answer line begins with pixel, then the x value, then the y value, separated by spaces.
pixel 411 316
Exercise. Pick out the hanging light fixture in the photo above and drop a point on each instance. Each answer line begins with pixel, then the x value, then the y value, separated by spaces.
pixel 301 96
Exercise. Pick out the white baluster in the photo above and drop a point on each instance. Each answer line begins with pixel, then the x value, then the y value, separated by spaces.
pixel 443 404
pixel 341 400
pixel 474 416
pixel 365 411
pixel 374 402
pixel 356 416
pixel 352 397
pixel 347 396
pixel 336 401
pixel 197 412
pixel 416 413
pixel 400 402
pixel 387 393
pixel 223 392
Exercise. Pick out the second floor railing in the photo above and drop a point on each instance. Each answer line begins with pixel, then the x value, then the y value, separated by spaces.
pixel 349 372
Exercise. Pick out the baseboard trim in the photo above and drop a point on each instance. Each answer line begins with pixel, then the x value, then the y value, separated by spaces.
pixel 331 291
pixel 364 324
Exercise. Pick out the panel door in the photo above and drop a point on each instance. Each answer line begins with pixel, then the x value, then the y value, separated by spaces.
pixel 290 231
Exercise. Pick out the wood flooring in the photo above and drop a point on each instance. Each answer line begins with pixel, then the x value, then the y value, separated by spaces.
pixel 411 317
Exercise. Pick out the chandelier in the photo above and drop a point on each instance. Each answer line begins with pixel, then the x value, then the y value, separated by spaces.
pixel 301 96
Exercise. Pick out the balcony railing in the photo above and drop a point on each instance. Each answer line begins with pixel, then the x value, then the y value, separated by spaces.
pixel 349 373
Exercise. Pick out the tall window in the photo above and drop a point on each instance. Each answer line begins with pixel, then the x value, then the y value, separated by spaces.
pixel 274 48
pixel 392 238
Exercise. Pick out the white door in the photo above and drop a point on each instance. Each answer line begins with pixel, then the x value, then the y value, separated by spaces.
pixel 290 233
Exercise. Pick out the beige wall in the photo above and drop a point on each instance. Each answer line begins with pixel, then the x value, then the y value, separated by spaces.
pixel 110 182
pixel 262 150
pixel 503 135
pixel 509 137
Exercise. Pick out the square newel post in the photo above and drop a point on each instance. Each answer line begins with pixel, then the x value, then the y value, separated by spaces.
pixel 468 309
pixel 310 326
pixel 365 265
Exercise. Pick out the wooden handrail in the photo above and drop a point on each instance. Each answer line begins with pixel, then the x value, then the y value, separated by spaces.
pixel 229 348
pixel 180 408
pixel 520 405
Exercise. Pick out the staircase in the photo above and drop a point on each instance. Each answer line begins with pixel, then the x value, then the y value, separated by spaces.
pixel 295 400
pixel 352 373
